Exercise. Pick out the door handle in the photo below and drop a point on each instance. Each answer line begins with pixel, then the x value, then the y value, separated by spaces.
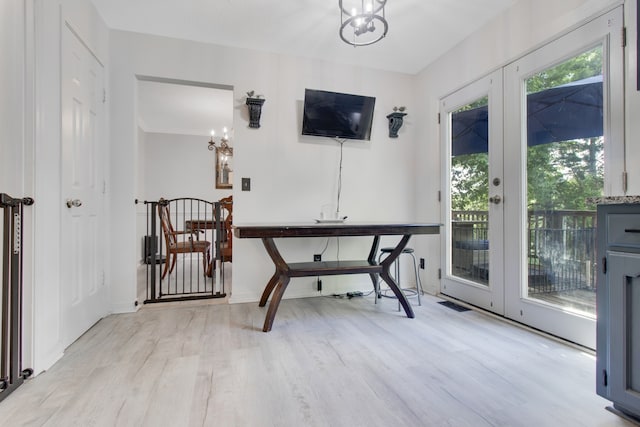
pixel 495 199
pixel 74 203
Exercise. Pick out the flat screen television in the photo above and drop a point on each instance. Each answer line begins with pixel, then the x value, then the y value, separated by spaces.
pixel 337 115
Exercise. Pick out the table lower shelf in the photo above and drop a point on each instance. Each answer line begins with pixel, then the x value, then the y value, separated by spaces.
pixel 332 268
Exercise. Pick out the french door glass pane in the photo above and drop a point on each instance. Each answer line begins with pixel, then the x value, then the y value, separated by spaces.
pixel 565 167
pixel 470 192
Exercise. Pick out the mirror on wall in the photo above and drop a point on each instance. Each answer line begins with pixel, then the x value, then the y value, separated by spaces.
pixel 224 167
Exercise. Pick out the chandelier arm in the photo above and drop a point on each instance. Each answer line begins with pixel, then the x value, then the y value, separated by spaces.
pixel 354 42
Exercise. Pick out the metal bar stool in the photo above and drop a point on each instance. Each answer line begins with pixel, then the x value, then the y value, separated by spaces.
pixel 408 251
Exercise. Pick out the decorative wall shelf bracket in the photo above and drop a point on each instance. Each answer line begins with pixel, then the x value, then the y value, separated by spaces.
pixel 395 123
pixel 255 110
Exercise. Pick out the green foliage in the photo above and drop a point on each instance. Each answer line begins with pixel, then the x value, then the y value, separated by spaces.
pixel 469 178
pixel 587 64
pixel 562 175
pixel 480 102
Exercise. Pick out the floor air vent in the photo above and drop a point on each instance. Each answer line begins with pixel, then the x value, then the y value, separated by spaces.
pixel 453 306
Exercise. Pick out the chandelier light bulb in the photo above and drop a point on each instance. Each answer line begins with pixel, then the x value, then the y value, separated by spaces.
pixel 365 25
pixel 224 140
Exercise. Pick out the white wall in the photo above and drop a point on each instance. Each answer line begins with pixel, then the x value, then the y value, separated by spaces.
pixel 16 137
pixel 141 207
pixel 12 103
pixel 50 16
pixel 179 166
pixel 632 98
pixel 291 176
pixel 141 165
pixel 525 26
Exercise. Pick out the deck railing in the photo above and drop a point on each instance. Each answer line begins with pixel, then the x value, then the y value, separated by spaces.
pixel 561 248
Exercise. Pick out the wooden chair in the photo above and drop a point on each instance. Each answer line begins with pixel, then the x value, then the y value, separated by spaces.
pixel 226 242
pixel 186 245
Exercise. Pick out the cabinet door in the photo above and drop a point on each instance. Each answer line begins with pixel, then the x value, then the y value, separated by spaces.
pixel 624 296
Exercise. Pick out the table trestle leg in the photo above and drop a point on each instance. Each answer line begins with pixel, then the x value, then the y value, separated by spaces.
pixel 277 285
pixel 269 288
pixel 386 265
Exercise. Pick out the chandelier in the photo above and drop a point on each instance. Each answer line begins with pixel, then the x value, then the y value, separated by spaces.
pixel 364 26
pixel 224 142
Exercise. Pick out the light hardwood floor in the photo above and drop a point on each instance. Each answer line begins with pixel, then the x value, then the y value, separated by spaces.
pixel 327 362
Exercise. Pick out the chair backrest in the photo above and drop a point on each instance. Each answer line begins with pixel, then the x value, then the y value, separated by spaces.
pixel 226 204
pixel 165 222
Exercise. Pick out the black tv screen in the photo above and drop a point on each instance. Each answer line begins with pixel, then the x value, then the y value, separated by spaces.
pixel 337 115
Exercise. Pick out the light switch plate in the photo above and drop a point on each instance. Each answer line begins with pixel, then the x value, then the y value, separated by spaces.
pixel 246 184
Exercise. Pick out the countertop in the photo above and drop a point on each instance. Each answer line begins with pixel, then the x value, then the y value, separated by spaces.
pixel 614 200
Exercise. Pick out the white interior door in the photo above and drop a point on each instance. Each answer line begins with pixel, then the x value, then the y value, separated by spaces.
pixel 84 297
pixel 471 127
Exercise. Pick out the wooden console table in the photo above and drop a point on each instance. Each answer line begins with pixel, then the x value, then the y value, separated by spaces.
pixel 285 271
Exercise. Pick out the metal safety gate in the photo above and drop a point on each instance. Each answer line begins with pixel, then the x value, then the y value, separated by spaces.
pixel 184 249
pixel 11 372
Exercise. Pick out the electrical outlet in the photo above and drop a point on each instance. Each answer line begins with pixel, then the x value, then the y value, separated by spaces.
pixel 421 263
pixel 317 257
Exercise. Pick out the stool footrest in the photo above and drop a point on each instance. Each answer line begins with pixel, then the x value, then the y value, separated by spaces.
pixel 389 250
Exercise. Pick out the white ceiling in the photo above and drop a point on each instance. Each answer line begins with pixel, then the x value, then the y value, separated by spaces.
pixel 419 32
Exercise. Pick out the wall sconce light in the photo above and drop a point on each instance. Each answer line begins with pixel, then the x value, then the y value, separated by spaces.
pixel 254 103
pixel 224 141
pixel 395 121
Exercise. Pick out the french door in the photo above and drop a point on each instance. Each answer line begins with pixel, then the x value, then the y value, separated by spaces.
pixel 522 163
pixel 474 211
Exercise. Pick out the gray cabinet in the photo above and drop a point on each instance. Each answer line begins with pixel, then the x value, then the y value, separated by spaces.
pixel 618 306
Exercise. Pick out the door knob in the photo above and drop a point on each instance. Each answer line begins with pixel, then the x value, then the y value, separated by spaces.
pixel 74 203
pixel 495 199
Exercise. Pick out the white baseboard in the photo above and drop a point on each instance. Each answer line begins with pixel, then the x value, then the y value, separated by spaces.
pixel 125 307
pixel 47 362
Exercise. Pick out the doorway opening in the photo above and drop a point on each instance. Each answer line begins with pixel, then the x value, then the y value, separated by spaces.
pixel 177 122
